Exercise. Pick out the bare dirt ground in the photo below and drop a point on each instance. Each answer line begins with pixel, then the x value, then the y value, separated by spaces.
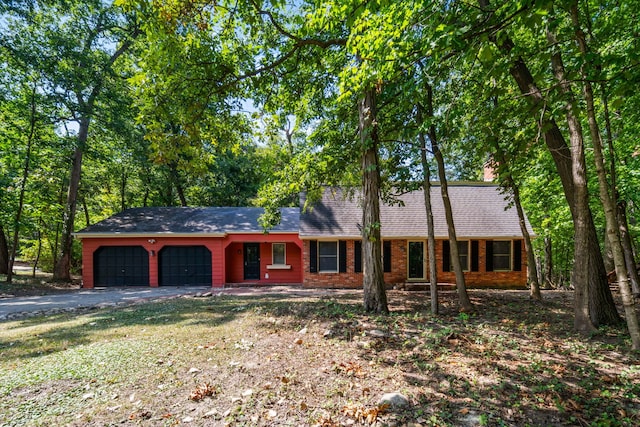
pixel 298 360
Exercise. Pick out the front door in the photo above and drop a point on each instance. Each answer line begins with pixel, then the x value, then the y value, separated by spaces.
pixel 251 261
pixel 416 260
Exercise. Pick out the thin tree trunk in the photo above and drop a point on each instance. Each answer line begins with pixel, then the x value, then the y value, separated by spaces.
pixel 548 262
pixel 38 251
pixel 375 296
pixel 4 252
pixel 463 297
pixel 621 205
pixel 431 238
pixel 594 303
pixel 532 268
pixel 175 177
pixel 627 246
pixel 62 270
pixel 608 204
pixel 23 185
pixel 85 209
pixel 123 189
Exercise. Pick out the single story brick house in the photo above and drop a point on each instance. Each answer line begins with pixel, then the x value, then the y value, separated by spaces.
pixel 490 241
pixel 318 247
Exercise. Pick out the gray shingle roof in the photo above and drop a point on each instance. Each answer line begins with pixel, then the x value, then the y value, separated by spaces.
pixel 186 220
pixel 479 211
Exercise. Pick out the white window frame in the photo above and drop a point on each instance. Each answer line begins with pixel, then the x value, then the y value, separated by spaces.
pixel 284 253
pixel 336 256
pixel 509 255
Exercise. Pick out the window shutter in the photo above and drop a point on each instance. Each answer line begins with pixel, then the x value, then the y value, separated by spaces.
pixel 357 256
pixel 475 255
pixel 313 256
pixel 446 256
pixel 342 256
pixel 517 255
pixel 489 257
pixel 386 256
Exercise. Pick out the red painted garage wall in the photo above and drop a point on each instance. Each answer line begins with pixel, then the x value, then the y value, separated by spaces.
pixel 224 270
pixel 234 263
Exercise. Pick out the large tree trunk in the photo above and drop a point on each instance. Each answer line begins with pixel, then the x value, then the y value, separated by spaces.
pixel 62 269
pixel 375 296
pixel 431 238
pixel 463 297
pixel 594 304
pixel 583 321
pixel 607 202
pixel 4 252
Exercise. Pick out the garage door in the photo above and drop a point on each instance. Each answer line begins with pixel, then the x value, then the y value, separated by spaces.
pixel 121 266
pixel 184 265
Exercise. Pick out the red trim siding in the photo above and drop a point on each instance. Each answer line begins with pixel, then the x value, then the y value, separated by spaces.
pixel 224 263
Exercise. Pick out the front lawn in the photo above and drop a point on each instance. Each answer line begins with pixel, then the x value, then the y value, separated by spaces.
pixel 293 360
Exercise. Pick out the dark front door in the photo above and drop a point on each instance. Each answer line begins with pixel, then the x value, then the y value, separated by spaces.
pixel 121 266
pixel 251 261
pixel 416 260
pixel 184 265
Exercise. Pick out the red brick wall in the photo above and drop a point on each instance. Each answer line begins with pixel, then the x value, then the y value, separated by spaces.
pixel 399 274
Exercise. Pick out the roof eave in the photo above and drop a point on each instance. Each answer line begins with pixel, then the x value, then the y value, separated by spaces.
pixel 109 235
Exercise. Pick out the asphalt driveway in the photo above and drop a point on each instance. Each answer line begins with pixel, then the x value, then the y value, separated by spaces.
pixel 87 298
pixel 17 307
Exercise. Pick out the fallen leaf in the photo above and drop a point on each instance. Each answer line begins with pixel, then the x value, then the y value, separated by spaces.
pixel 201 391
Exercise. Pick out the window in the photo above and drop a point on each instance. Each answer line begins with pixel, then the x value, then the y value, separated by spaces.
pixel 502 255
pixel 278 254
pixel 328 257
pixel 463 254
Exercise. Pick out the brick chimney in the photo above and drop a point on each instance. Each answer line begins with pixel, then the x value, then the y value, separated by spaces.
pixel 489 171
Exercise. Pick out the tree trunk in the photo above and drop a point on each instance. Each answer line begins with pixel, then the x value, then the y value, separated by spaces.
pixel 583 321
pixel 594 303
pixel 431 242
pixel 548 262
pixel 62 270
pixel 4 252
pixel 23 185
pixel 607 202
pixel 621 205
pixel 627 246
pixel 375 296
pixel 463 297
pixel 38 252
pixel 532 268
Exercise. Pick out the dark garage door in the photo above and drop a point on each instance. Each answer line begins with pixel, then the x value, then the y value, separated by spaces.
pixel 184 265
pixel 121 266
